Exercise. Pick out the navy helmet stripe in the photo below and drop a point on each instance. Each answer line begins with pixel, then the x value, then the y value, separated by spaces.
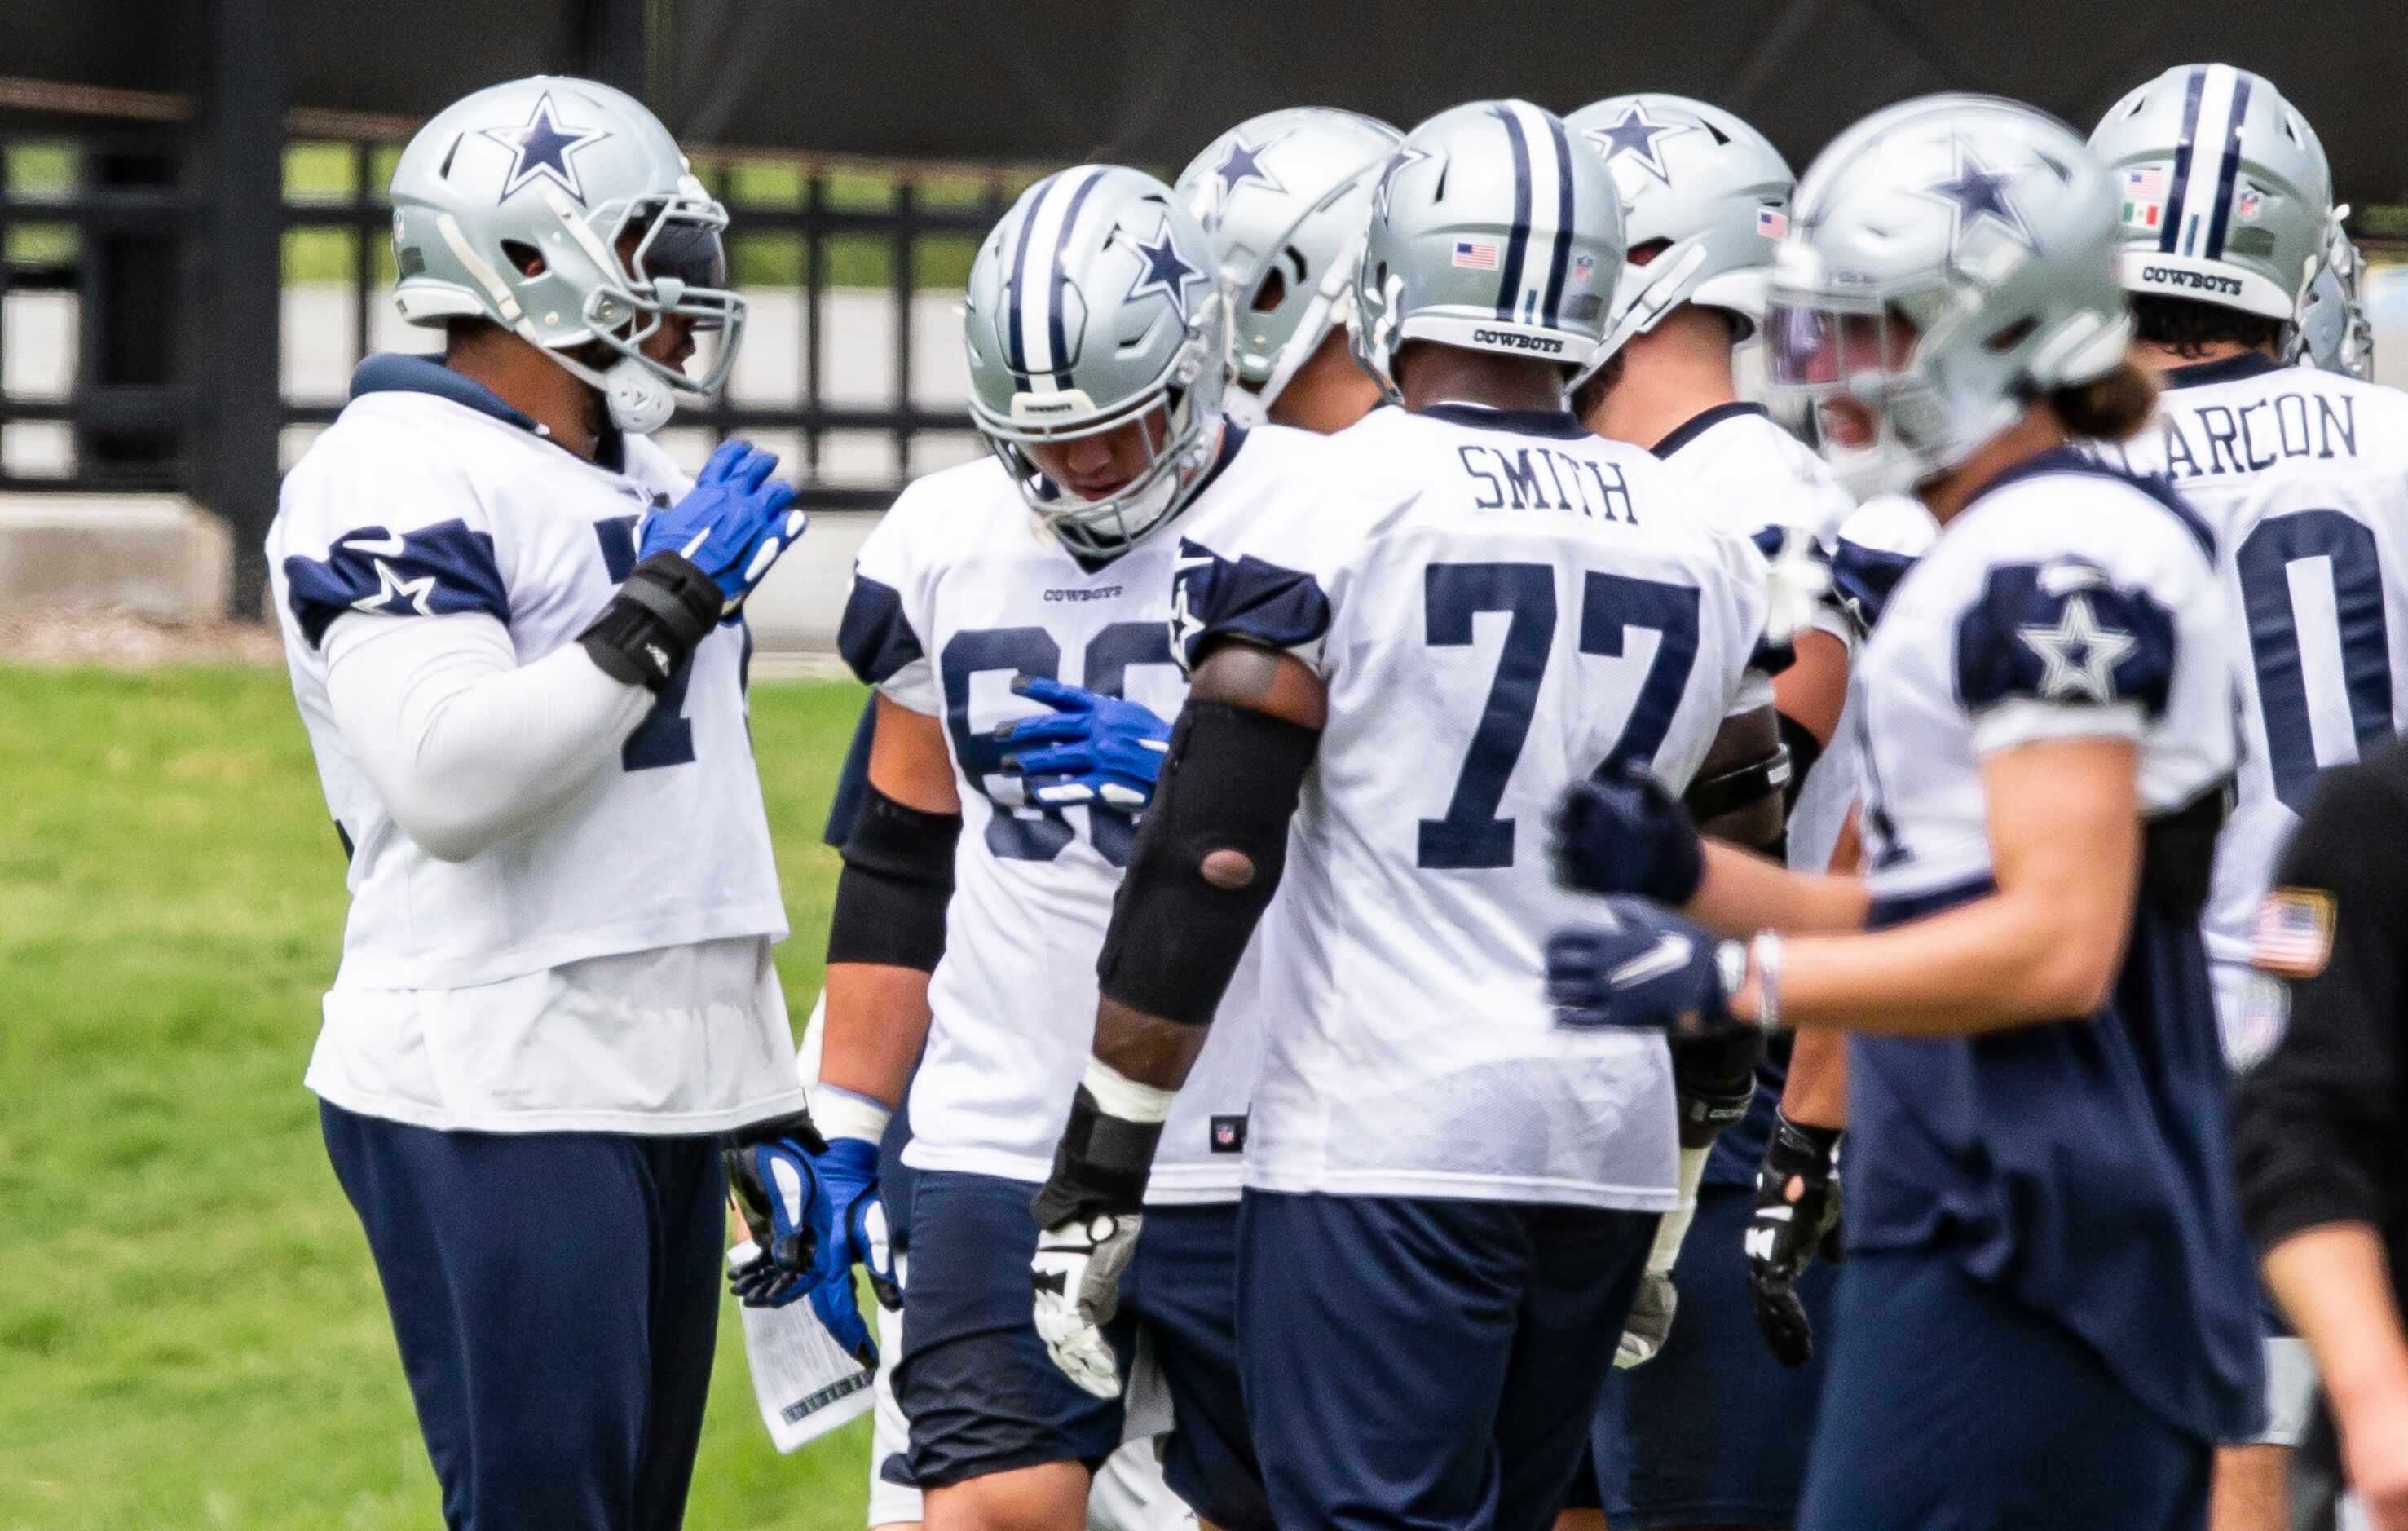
pixel 2192 89
pixel 1509 286
pixel 1563 252
pixel 1015 355
pixel 2229 171
pixel 1054 333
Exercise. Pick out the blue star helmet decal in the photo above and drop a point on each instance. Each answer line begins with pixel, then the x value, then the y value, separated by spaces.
pixel 543 148
pixel 1165 271
pixel 1406 155
pixel 1638 134
pixel 1243 165
pixel 1974 192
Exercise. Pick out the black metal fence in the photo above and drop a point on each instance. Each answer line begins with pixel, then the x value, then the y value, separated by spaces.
pixel 110 360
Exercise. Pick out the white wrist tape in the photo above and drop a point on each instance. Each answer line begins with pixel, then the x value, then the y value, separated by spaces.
pixel 842 1113
pixel 1675 1225
pixel 1117 1094
pixel 1764 952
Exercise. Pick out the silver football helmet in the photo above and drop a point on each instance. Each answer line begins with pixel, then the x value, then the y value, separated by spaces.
pixel 1711 188
pixel 2222 187
pixel 1493 228
pixel 1284 198
pixel 1093 304
pixel 2334 333
pixel 563 211
pixel 1948 259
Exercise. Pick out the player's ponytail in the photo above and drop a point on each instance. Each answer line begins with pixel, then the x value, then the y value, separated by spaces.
pixel 2109 407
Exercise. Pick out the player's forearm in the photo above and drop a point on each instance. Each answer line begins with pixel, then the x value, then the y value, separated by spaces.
pixel 877 1023
pixel 2333 1281
pixel 1146 1048
pixel 1743 892
pixel 464 746
pixel 1817 1089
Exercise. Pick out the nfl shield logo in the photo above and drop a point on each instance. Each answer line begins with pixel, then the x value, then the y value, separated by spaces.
pixel 1583 268
pixel 2247 205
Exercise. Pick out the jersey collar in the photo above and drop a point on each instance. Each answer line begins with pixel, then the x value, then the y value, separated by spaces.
pixel 389 373
pixel 1559 423
pixel 2249 363
pixel 1701 423
pixel 2068 460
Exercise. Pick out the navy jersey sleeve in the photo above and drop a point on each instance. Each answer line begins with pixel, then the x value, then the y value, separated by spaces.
pixel 1863 579
pixel 432 571
pixel 873 636
pixel 1248 598
pixel 2063 635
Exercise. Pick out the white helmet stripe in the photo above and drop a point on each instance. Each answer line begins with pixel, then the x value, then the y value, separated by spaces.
pixel 1543 224
pixel 1039 348
pixel 2200 159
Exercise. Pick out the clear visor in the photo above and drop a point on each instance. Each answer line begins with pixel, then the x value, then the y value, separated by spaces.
pixel 1807 345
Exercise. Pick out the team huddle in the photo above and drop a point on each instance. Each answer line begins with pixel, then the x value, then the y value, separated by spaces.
pixel 1404 833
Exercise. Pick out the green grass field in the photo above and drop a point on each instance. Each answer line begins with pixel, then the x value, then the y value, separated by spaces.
pixel 190 1332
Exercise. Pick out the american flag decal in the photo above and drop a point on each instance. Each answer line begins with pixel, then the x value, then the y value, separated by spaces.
pixel 1772 223
pixel 1476 255
pixel 2294 934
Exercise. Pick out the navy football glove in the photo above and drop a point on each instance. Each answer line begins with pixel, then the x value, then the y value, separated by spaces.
pixel 1796 1214
pixel 1649 969
pixel 1093 749
pixel 731 524
pixel 799 1193
pixel 1625 833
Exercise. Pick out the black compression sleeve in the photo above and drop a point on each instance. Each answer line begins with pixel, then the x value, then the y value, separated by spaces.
pixel 897 878
pixel 1230 784
pixel 2320 1125
pixel 1804 751
pixel 664 609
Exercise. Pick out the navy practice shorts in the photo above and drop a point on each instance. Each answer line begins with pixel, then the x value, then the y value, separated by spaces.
pixel 983 1396
pixel 1713 1431
pixel 555 1298
pixel 1950 1407
pixel 1412 1362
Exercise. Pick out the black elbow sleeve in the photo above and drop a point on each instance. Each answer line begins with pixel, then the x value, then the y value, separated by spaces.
pixel 897 878
pixel 1206 860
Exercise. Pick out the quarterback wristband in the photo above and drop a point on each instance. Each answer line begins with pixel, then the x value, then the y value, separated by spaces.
pixel 1100 1165
pixel 653 625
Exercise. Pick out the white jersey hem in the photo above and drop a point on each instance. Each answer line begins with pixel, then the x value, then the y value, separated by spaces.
pixel 636 1123
pixel 1439 1185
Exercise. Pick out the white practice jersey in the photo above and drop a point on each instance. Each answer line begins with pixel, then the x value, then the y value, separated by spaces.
pixel 2303 477
pixel 957 591
pixel 496 992
pixel 1870 552
pixel 1499 603
pixel 2064 602
pixel 1758 481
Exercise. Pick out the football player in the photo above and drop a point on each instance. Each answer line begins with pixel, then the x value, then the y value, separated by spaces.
pixel 1449 1202
pixel 1704 198
pixel 513 630
pixel 1283 197
pixel 2045 1318
pixel 1013 615
pixel 2303 474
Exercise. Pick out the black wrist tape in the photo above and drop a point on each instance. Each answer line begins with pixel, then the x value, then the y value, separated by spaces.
pixel 1714 1079
pixel 897 878
pixel 1099 1166
pixel 1229 784
pixel 1804 751
pixel 1710 798
pixel 651 628
pixel 1796 1149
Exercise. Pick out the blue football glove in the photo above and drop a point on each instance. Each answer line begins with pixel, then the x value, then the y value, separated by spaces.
pixel 1625 833
pixel 731 524
pixel 1649 968
pixel 787 1181
pixel 1094 748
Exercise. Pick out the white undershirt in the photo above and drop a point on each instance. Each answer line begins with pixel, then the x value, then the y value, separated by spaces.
pixel 467 749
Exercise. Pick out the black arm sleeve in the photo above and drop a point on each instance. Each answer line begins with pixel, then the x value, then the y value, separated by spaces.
pixel 2317 1125
pixel 897 878
pixel 1230 784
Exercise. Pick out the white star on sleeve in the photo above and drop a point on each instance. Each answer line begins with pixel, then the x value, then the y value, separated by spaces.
pixel 2078 655
pixel 392 588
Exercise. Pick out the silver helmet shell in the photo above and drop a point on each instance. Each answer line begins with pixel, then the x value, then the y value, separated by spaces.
pixel 1284 198
pixel 2334 333
pixel 1090 305
pixel 1948 259
pixel 1493 228
pixel 2223 191
pixel 1711 188
pixel 562 210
